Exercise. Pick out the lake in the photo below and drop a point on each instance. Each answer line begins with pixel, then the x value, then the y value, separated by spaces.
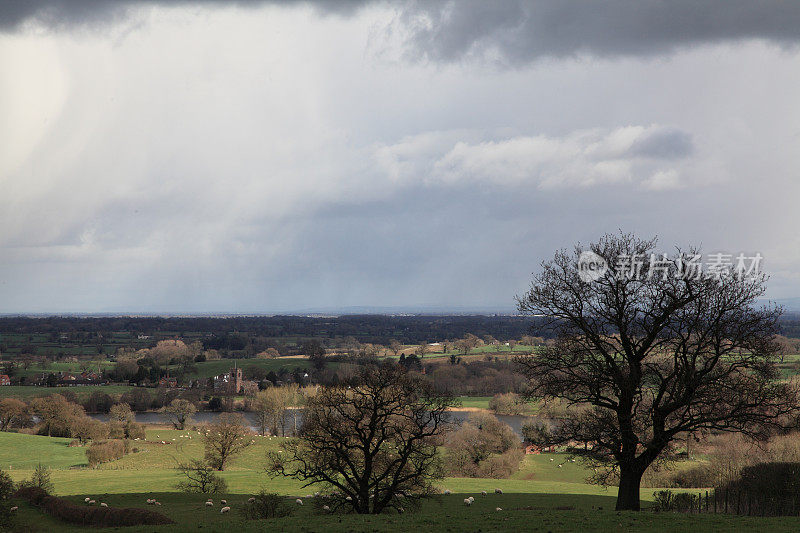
pixel 209 417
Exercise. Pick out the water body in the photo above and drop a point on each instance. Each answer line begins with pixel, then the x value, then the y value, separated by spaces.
pixel 206 417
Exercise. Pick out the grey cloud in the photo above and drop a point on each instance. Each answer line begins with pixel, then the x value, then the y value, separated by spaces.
pixel 518 31
pixel 664 143
pixel 514 32
pixel 66 13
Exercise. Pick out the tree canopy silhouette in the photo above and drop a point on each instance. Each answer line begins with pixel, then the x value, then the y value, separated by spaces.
pixel 651 347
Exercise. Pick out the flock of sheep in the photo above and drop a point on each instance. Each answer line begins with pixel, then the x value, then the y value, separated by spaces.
pixel 226 508
pixel 89 501
pixel 469 501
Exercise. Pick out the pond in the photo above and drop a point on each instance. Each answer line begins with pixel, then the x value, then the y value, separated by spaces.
pixel 204 417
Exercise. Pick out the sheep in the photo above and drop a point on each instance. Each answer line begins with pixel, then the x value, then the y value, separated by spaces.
pixel 498 509
pixel 471 499
pixel 498 491
pixel 326 508
pixel 86 500
pixel 224 510
pixel 467 502
pixel 103 504
pixel 551 459
pixel 91 502
pixel 251 500
pixel 209 504
pixel 401 510
pixel 13 509
pixel 349 498
pixel 446 492
pixel 559 466
pixel 298 501
pixel 224 502
pixel 483 493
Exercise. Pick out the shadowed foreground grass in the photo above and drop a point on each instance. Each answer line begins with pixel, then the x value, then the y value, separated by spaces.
pixel 520 512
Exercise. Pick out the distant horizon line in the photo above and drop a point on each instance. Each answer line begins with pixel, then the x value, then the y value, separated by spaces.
pixel 791 304
pixel 311 311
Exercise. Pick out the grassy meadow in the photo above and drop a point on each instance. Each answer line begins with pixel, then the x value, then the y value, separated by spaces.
pixel 548 493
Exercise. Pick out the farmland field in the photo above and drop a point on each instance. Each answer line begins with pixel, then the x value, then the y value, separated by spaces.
pixel 548 493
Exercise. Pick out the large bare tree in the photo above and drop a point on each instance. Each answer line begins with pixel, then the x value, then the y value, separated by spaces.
pixel 372 440
pixel 226 439
pixel 652 350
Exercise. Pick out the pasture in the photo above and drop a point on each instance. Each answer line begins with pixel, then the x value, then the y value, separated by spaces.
pixel 548 494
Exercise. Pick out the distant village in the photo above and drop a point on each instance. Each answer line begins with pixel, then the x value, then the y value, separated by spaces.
pixel 231 382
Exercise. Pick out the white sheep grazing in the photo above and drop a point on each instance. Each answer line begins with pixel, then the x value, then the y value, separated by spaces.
pixel 349 498
pixel 251 500
pixel 298 501
pixel 471 499
pixel 156 503
pixel 224 510
pixel 401 510
pixel 498 491
pixel 559 466
pixel 551 459
pixel 467 501
pixel 497 509
pixel 86 500
pixel 447 492
pixel 103 505
pixel 13 509
pixel 209 504
pixel 92 502
pixel 224 502
pixel 483 493
pixel 326 508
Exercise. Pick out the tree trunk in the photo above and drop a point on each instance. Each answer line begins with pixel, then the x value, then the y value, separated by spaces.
pixel 628 495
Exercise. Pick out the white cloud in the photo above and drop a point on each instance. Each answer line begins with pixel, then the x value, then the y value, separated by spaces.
pixel 586 158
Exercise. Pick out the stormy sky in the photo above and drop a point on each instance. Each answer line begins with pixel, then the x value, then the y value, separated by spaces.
pixel 199 156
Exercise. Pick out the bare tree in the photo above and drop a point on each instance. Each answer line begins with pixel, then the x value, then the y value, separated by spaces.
pixel 653 355
pixel 270 406
pixel 179 412
pixel 395 347
pixel 372 440
pixel 422 349
pixel 200 477
pixel 225 439
pixel 13 412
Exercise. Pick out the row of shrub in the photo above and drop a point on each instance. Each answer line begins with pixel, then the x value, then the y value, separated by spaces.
pixel 105 451
pixel 89 515
pixel 766 489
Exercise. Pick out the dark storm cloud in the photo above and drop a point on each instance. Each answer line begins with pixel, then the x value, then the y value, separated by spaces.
pixel 512 31
pixel 519 32
pixel 66 13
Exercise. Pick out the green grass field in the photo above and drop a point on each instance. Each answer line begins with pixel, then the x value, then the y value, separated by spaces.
pixel 541 496
pixel 28 392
